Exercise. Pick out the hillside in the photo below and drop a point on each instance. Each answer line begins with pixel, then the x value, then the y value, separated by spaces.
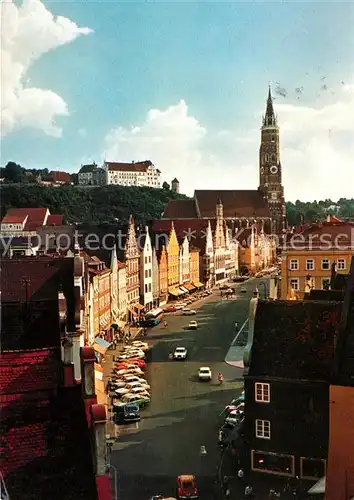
pixel 300 211
pixel 90 205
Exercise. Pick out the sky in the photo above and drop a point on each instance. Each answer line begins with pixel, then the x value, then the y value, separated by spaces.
pixel 183 84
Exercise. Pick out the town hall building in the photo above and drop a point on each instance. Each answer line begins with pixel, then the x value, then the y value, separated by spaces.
pixel 264 206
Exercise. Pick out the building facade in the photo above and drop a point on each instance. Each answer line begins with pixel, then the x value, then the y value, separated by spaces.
pixel 146 272
pixel 163 275
pixel 91 175
pixel 184 261
pixel 25 222
pixel 132 261
pixel 122 292
pixel 194 264
pixel 142 173
pixel 155 279
pixel 307 257
pixel 172 259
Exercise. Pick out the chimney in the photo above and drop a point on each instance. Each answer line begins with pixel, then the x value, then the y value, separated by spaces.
pixel 88 359
pixel 99 419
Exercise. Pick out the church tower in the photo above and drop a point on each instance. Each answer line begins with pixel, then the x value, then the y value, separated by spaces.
pixel 270 171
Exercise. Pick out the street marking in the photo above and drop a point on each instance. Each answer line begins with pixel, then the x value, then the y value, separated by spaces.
pixel 239 332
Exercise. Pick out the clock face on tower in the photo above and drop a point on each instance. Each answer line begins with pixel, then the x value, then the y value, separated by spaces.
pixel 273 169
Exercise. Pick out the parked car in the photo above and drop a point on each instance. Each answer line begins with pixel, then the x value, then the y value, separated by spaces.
pixel 187 486
pixel 138 344
pixel 132 385
pixel 193 325
pixel 170 309
pixel 150 322
pixel 188 312
pixel 127 413
pixel 180 353
pixel 130 363
pixel 204 373
pixel 243 290
pixel 142 401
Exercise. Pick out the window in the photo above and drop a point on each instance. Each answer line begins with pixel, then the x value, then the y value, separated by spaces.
pixel 310 265
pixel 294 264
pixel 262 392
pixel 326 283
pixel 294 283
pixel 146 289
pixel 312 468
pixel 272 463
pixel 263 429
pixel 341 265
pixel 325 264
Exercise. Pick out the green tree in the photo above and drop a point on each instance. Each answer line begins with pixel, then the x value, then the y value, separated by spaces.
pixel 13 172
pixel 166 186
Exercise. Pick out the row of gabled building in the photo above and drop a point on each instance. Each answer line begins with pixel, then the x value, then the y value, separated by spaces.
pixel 299 390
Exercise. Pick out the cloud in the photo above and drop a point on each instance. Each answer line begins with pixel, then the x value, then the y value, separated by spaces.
pixel 29 31
pixel 316 143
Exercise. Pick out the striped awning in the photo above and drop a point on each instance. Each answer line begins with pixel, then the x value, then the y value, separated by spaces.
pixel 198 284
pixel 176 292
pixel 184 289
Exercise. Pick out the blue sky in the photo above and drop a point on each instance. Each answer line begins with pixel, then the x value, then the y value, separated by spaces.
pixel 206 67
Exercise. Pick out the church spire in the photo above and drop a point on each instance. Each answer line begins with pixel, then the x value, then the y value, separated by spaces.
pixel 269 119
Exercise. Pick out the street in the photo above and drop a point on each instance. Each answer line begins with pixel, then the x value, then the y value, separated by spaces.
pixel 184 413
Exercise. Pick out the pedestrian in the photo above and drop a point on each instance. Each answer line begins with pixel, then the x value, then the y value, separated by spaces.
pixel 248 492
pixel 241 474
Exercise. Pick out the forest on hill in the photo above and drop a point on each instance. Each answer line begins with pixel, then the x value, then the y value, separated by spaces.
pixel 300 212
pixel 92 205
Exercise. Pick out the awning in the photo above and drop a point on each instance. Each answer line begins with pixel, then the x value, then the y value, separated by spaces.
pixel 319 487
pixel 189 286
pixel 176 292
pixel 134 313
pixel 138 306
pixel 198 284
pixel 101 345
pixel 184 289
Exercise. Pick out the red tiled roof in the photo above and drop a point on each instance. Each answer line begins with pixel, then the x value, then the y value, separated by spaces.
pixel 36 216
pixel 140 166
pixel 180 209
pixel 13 219
pixel 236 203
pixel 14 272
pixel 55 220
pixel 26 371
pixel 59 176
pixel 324 235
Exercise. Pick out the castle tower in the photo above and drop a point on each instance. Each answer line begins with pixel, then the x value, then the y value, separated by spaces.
pixel 175 185
pixel 270 169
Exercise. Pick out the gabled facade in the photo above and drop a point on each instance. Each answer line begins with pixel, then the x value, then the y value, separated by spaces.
pixel 142 173
pixel 100 277
pixel 194 264
pixel 114 286
pixel 172 258
pixel 184 261
pixel 163 275
pixel 26 221
pixel 122 292
pixel 155 279
pixel 146 278
pixel 132 261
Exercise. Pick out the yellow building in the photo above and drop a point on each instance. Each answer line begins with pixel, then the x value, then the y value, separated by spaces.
pixel 172 259
pixel 194 264
pixel 308 257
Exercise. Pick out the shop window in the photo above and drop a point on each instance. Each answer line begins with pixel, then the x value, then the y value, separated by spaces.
pixel 272 463
pixel 312 468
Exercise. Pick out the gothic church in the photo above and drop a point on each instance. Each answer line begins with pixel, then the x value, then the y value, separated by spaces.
pixel 242 208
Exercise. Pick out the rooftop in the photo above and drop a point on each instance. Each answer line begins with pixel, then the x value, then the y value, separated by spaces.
pixel 236 203
pixel 140 166
pixel 35 217
pixel 295 339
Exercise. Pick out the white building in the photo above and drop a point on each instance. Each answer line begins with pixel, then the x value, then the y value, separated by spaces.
pixel 122 291
pixel 146 289
pixel 184 261
pixel 142 173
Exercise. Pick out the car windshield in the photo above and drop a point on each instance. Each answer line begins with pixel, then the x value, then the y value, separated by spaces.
pixel 131 407
pixel 180 349
pixel 204 370
pixel 187 484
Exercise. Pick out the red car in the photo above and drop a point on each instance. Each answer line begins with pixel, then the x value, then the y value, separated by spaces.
pixel 140 363
pixel 187 487
pixel 170 309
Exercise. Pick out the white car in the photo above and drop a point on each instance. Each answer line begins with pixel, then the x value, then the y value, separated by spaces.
pixel 180 353
pixel 193 325
pixel 129 388
pixel 138 344
pixel 141 391
pixel 204 373
pixel 131 377
pixel 136 353
pixel 188 312
pixel 129 371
